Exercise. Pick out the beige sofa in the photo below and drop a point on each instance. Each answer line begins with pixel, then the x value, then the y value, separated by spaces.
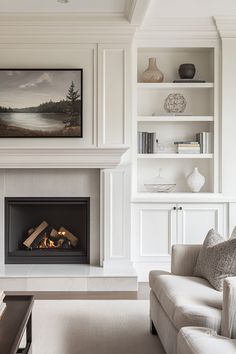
pixel 192 340
pixel 178 299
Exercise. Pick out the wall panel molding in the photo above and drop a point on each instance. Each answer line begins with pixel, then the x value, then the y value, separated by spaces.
pixel 114 94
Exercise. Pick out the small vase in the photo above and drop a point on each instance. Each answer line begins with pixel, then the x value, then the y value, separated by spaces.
pixel 152 73
pixel 187 71
pixel 195 181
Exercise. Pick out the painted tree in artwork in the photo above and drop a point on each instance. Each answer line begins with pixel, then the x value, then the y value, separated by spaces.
pixel 72 97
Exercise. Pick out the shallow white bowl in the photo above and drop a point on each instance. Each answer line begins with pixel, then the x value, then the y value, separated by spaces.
pixel 160 188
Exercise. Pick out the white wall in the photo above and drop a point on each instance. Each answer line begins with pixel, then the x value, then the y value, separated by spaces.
pixel 229 116
pixel 191 8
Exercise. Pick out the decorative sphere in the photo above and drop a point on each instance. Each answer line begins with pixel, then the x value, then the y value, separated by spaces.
pixel 175 103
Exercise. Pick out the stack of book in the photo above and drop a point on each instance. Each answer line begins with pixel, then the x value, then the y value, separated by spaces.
pixel 146 142
pixel 205 139
pixel 2 304
pixel 188 147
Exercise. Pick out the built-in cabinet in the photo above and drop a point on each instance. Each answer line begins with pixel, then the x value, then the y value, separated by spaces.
pixel 160 220
pixel 157 226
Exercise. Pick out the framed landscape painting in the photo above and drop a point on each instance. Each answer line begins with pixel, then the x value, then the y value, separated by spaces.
pixel 41 103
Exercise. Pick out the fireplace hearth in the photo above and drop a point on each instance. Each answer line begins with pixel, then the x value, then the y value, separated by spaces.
pixel 47 230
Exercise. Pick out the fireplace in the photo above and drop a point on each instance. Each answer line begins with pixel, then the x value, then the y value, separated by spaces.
pixel 47 230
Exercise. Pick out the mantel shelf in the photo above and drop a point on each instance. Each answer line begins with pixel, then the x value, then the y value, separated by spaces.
pixel 175 156
pixel 37 157
pixel 180 118
pixel 174 85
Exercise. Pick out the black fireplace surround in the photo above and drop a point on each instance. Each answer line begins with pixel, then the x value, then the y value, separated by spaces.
pixel 21 214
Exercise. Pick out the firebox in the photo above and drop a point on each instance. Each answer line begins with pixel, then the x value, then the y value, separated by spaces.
pixel 47 230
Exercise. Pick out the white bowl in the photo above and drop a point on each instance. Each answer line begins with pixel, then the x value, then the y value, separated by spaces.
pixel 160 188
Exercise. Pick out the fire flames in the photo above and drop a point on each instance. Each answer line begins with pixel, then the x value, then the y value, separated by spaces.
pixel 55 242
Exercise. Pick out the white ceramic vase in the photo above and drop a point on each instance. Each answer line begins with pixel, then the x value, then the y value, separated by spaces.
pixel 152 73
pixel 195 181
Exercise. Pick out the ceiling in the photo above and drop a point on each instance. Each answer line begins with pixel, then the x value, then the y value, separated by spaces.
pixel 191 8
pixel 75 6
pixel 157 8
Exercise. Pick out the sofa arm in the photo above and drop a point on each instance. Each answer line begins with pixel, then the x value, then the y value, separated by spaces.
pixel 183 259
pixel 228 324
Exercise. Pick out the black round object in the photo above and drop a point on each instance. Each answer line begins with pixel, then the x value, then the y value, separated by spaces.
pixel 187 71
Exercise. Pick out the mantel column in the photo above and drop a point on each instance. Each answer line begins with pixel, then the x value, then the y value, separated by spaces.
pixel 115 217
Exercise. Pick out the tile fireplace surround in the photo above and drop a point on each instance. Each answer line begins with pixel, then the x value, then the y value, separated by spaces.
pixel 110 267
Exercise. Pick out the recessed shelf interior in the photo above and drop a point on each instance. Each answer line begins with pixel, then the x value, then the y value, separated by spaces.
pixel 169 60
pixel 176 171
pixel 199 116
pixel 169 132
pixel 152 101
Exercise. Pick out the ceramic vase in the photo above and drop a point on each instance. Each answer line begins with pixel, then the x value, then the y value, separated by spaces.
pixel 187 71
pixel 152 73
pixel 195 181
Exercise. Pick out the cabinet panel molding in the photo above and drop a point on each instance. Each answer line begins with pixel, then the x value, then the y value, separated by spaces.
pixel 195 220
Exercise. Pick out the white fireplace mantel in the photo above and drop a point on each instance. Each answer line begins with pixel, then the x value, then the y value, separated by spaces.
pixel 94 157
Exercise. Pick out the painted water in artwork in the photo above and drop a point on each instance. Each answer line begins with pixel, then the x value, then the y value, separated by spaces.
pixel 41 103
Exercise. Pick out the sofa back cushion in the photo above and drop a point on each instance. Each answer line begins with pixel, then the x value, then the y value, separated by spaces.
pixel 217 259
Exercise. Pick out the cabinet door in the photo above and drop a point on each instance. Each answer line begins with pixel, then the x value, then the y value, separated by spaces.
pixel 154 231
pixel 195 220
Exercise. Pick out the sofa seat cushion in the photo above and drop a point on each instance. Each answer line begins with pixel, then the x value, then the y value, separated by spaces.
pixel 188 301
pixel 192 340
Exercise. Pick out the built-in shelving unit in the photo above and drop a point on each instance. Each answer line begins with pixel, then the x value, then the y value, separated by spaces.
pixel 200 115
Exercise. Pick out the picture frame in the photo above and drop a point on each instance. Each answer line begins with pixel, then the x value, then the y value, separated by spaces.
pixel 41 103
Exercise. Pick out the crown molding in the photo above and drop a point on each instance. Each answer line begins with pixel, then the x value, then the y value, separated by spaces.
pixel 56 18
pixel 136 11
pixel 226 26
pixel 186 28
pixel 28 26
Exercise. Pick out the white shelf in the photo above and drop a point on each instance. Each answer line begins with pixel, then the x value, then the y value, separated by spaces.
pixel 147 197
pixel 175 85
pixel 175 118
pixel 175 156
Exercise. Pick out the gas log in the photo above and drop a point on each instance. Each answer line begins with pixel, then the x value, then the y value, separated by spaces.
pixel 69 235
pixel 44 236
pixel 35 234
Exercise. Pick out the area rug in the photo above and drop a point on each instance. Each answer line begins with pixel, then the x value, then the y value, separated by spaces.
pixel 93 327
